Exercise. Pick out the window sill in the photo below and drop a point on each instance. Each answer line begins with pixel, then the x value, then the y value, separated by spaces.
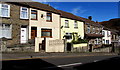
pixel 34 19
pixel 5 17
pixel 66 27
pixel 47 37
pixel 24 18
pixel 7 38
pixel 76 27
pixel 49 20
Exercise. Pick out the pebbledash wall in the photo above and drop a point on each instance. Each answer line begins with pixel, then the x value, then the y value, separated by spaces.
pixel 15 22
pixel 42 23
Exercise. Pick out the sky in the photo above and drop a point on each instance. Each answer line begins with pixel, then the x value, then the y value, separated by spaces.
pixel 100 11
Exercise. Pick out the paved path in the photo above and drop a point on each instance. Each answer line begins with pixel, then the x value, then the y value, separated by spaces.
pixel 18 56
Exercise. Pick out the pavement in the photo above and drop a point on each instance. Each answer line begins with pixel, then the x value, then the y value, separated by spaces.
pixel 32 55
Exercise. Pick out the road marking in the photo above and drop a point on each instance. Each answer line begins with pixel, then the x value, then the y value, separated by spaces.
pixel 95 60
pixel 69 65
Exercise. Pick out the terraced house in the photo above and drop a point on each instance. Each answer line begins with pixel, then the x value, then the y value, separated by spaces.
pixel 37 23
pixel 93 33
pixel 23 21
pixel 44 23
pixel 71 27
pixel 107 36
pixel 15 21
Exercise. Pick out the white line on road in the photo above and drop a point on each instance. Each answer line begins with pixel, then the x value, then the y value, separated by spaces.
pixel 68 65
pixel 96 60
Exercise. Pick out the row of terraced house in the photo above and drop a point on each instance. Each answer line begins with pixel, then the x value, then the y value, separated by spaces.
pixel 44 28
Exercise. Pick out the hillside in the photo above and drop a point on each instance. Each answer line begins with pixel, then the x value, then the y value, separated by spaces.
pixel 112 23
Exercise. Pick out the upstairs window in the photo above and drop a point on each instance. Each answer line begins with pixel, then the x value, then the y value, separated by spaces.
pixel 93 30
pixel 34 14
pixel 6 30
pixel 103 33
pixel 49 17
pixel 66 24
pixel 108 33
pixel 75 24
pixel 4 10
pixel 88 29
pixel 24 13
pixel 98 31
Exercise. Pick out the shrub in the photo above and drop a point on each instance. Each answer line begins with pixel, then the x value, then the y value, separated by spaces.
pixel 79 40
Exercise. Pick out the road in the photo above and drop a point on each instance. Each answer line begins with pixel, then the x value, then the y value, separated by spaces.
pixel 63 63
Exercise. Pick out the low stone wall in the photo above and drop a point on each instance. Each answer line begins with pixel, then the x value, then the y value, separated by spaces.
pixel 80 47
pixel 20 49
pixel 107 49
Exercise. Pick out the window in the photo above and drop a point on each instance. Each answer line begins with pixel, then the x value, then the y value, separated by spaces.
pixel 103 33
pixel 107 41
pixel 49 17
pixel 24 13
pixel 4 10
pixel 98 31
pixel 5 30
pixel 46 33
pixel 96 42
pixel 75 24
pixel 103 41
pixel 88 29
pixel 93 29
pixel 108 33
pixel 68 36
pixel 66 24
pixel 34 14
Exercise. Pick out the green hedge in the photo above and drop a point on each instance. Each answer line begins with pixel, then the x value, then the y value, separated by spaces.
pixel 79 40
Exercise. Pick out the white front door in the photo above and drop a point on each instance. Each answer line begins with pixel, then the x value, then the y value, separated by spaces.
pixel 23 35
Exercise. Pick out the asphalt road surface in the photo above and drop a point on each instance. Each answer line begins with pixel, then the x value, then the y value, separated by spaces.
pixel 64 63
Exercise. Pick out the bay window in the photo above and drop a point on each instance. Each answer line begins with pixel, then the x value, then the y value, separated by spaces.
pixel 68 36
pixel 4 10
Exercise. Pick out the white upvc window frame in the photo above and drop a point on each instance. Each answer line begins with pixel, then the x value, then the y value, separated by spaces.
pixel 75 24
pixel 3 29
pixel 88 29
pixel 66 23
pixel 21 17
pixel 1 15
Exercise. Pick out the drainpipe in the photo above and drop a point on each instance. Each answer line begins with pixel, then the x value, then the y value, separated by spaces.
pixel 60 27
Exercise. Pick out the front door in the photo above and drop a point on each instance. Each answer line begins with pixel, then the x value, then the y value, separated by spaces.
pixel 23 35
pixel 33 32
